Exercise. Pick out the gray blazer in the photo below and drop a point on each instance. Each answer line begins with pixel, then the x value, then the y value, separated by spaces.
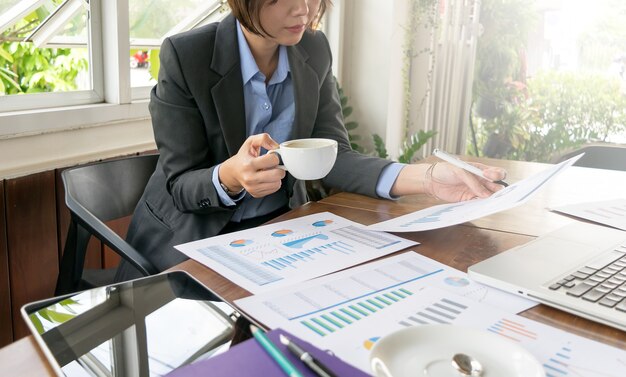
pixel 198 117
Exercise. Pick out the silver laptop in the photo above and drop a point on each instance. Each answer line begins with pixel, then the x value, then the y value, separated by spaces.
pixel 580 268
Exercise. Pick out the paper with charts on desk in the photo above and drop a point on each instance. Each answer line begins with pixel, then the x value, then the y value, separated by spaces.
pixel 607 212
pixel 280 254
pixel 349 311
pixel 444 215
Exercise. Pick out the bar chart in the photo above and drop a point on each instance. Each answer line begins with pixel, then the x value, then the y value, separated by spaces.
pixel 294 250
pixel 348 312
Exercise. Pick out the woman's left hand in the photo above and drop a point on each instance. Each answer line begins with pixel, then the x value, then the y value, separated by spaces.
pixel 447 182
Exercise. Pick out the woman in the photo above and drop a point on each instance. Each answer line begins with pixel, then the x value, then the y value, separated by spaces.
pixel 229 91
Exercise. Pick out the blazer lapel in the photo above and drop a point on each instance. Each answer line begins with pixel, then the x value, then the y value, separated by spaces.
pixel 228 93
pixel 306 93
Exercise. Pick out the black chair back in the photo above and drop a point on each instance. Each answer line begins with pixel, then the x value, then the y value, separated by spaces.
pixel 94 194
pixel 612 157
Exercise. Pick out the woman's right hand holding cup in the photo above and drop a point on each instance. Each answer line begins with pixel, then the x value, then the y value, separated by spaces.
pixel 258 175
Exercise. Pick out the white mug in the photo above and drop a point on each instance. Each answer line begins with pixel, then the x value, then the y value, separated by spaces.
pixel 307 159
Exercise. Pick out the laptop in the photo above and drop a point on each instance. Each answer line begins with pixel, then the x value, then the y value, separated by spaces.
pixel 580 268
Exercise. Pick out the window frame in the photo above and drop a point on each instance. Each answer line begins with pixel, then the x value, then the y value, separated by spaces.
pixel 109 101
pixel 112 99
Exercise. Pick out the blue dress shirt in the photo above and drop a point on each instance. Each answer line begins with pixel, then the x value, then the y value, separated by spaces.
pixel 271 109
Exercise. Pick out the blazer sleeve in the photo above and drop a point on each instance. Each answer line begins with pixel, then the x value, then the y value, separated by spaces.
pixel 181 137
pixel 353 171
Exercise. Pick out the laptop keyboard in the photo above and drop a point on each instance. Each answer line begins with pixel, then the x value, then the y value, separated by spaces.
pixel 602 280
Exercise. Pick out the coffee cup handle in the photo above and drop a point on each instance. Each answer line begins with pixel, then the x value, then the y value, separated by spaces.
pixel 281 164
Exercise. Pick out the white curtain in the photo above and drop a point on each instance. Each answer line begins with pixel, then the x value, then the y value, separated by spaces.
pixel 432 66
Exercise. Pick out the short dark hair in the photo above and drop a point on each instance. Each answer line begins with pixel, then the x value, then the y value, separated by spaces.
pixel 247 13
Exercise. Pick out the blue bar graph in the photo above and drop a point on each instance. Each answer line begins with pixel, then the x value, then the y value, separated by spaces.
pixel 240 265
pixel 297 258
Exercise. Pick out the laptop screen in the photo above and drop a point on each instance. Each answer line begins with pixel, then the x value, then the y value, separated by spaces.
pixel 144 327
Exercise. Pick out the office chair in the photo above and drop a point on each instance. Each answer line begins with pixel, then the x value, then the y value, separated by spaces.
pixel 95 194
pixel 612 157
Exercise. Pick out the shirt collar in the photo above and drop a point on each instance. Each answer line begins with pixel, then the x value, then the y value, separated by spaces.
pixel 249 67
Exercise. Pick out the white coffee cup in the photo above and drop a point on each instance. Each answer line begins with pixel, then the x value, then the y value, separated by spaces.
pixel 307 159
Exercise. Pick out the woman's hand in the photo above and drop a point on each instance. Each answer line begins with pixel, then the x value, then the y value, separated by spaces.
pixel 258 175
pixel 447 182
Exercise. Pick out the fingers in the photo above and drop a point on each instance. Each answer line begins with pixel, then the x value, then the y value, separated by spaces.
pixel 494 173
pixel 254 143
pixel 259 183
pixel 476 186
pixel 257 174
pixel 268 161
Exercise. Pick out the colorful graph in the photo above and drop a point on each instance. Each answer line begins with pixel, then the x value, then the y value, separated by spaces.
pixel 444 311
pixel 240 243
pixel 512 330
pixel 282 233
pixel 292 260
pixel 344 314
pixel 298 244
pixel 456 281
pixel 369 344
pixel 240 265
pixel 322 223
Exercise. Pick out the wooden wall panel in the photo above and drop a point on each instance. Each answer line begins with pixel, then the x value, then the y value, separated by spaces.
pixel 93 258
pixel 6 321
pixel 119 226
pixel 32 241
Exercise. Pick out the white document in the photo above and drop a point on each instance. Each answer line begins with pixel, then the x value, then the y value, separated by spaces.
pixel 444 215
pixel 349 311
pixel 284 253
pixel 607 212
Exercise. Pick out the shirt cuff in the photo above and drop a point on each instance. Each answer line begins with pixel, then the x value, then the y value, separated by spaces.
pixel 387 178
pixel 224 197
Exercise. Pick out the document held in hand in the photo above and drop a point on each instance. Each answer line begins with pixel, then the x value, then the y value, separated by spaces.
pixel 444 215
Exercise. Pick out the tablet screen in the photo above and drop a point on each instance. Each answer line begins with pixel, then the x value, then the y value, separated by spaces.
pixel 144 327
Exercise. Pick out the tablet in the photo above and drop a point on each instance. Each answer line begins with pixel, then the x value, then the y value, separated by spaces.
pixel 144 327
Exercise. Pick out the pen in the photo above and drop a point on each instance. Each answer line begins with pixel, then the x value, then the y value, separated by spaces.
pixel 464 165
pixel 314 364
pixel 274 352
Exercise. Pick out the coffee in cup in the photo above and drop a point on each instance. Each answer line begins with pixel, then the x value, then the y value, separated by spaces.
pixel 307 159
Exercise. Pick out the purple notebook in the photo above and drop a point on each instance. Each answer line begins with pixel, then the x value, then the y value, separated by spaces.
pixel 249 359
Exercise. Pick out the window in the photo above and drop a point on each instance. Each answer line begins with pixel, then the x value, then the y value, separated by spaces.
pixel 550 77
pixel 44 49
pixel 95 59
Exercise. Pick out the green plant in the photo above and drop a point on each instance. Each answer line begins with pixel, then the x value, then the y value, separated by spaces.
pixel 346 111
pixel 25 68
pixel 379 146
pixel 410 146
pixel 555 113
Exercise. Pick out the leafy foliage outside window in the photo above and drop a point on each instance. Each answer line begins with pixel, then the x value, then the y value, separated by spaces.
pixel 557 112
pixel 25 68
pixel 28 69
pixel 541 117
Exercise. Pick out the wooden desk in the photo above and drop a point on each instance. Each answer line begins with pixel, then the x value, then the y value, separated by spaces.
pixel 457 246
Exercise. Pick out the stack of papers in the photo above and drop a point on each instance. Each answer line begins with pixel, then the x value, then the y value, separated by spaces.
pixel 349 311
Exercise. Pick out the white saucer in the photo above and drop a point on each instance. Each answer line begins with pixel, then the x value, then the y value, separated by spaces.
pixel 428 350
